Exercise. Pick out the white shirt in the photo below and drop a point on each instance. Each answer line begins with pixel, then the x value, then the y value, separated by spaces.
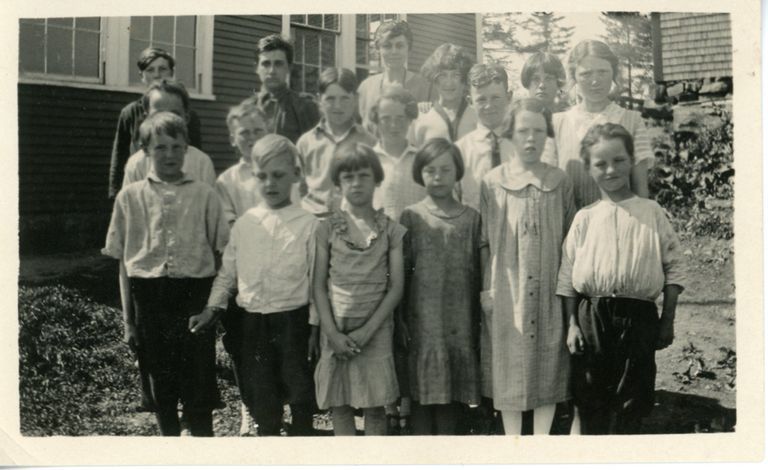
pixel 269 259
pixel 398 190
pixel 197 165
pixel 475 148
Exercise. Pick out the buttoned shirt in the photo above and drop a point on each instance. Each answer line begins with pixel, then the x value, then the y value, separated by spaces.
pixel 269 260
pixel 197 166
pixel 476 148
pixel 398 190
pixel 164 229
pixel 316 149
pixel 624 249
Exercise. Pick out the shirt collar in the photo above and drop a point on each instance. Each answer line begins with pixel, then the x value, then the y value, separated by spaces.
pixel 483 130
pixel 286 214
pixel 322 127
pixel 151 176
pixel 547 180
pixel 381 152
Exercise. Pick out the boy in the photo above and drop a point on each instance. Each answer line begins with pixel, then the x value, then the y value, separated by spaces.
pixel 166 230
pixel 169 95
pixel 484 147
pixel 268 262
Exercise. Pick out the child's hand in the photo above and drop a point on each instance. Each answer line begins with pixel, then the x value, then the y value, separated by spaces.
pixel 666 334
pixel 486 301
pixel 131 336
pixel 425 106
pixel 575 340
pixel 200 322
pixel 360 337
pixel 342 345
pixel 313 348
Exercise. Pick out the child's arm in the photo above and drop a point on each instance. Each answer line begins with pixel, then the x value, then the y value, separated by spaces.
pixel 674 278
pixel 362 335
pixel 667 322
pixel 486 302
pixel 575 338
pixel 401 312
pixel 130 335
pixel 222 289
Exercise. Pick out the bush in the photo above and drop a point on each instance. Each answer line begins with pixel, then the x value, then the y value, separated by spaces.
pixel 694 180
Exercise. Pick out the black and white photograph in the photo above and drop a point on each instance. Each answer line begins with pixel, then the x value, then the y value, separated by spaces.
pixel 288 224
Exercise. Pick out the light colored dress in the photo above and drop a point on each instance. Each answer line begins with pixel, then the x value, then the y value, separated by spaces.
pixel 442 263
pixel 357 282
pixel 571 127
pixel 398 190
pixel 524 222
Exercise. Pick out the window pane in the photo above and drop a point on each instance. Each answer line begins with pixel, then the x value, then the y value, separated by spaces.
pixel 88 23
pixel 32 20
pixel 31 47
pixel 140 28
pixel 298 46
pixel 185 66
pixel 361 26
pixel 67 22
pixel 86 54
pixel 185 30
pixel 134 49
pixel 315 20
pixel 297 77
pixel 162 29
pixel 59 51
pixel 373 55
pixel 311 79
pixel 300 19
pixel 331 22
pixel 361 51
pixel 311 49
pixel 327 51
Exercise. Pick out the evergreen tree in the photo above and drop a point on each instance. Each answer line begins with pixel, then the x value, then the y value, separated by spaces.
pixel 548 34
pixel 629 36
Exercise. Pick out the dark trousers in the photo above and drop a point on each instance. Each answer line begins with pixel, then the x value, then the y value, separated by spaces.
pixel 613 381
pixel 178 365
pixel 273 369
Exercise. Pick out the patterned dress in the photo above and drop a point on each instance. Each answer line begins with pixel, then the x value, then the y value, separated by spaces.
pixel 524 222
pixel 443 268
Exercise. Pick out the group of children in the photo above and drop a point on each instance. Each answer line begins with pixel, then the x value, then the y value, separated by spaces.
pixel 514 269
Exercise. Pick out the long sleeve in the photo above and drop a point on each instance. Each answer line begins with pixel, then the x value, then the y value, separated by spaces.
pixel 115 242
pixel 225 283
pixel 193 129
pixel 314 319
pixel 218 226
pixel 121 150
pixel 671 253
pixel 565 275
pixel 484 216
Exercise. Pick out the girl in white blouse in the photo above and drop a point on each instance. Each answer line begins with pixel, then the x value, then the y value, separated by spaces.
pixel 620 254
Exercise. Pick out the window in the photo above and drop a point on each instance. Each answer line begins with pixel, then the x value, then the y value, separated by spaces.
pixel 366 54
pixel 175 34
pixel 65 48
pixel 314 39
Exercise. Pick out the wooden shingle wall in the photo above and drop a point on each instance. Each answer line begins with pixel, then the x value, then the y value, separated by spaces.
pixel 431 30
pixel 695 45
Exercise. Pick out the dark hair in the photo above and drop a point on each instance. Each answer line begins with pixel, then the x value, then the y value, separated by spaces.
pixel 481 75
pixel 345 78
pixel 149 55
pixel 275 42
pixel 355 156
pixel 544 62
pixel 400 95
pixel 162 122
pixel 606 131
pixel 433 149
pixel 392 29
pixel 168 85
pixel 591 47
pixel 447 57
pixel 533 105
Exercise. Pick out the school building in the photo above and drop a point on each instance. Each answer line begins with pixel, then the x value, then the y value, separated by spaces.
pixel 75 74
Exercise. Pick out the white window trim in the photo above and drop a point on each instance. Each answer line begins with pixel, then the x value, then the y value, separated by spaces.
pixel 117 66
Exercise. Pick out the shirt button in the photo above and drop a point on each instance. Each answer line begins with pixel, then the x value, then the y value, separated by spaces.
pixel 531 336
pixel 530 277
pixel 531 293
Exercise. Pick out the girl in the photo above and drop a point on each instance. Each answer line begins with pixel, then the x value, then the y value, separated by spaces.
pixel 393 41
pixel 593 67
pixel 526 207
pixel 619 255
pixel 451 116
pixel 543 76
pixel 442 309
pixel 357 285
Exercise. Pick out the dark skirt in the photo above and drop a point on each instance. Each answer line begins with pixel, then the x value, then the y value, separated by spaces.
pixel 613 380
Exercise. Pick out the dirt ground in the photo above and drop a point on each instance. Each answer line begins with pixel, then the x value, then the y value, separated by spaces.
pixel 696 380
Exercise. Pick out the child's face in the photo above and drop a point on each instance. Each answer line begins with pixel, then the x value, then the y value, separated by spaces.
pixel 247 130
pixel 161 101
pixel 439 176
pixel 491 103
pixel 529 135
pixel 543 86
pixel 357 186
pixel 167 154
pixel 450 86
pixel 275 181
pixel 610 165
pixel 393 121
pixel 273 69
pixel 394 52
pixel 594 77
pixel 337 105
pixel 156 70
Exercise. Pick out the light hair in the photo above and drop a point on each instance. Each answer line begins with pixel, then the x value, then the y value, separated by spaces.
pixel 162 122
pixel 273 146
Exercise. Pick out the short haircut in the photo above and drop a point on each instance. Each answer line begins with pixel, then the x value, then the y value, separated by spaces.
pixel 590 47
pixel 355 156
pixel 165 123
pixel 275 42
pixel 433 149
pixel 149 55
pixel 447 57
pixel 533 105
pixel 606 131
pixel 168 85
pixel 392 29
pixel 481 75
pixel 246 108
pixel 544 62
pixel 400 95
pixel 273 146
pixel 345 78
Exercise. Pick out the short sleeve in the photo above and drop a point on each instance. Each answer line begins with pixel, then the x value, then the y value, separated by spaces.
pixel 565 275
pixel 395 232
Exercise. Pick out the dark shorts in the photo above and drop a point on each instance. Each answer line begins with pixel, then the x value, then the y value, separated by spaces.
pixel 616 374
pixel 179 365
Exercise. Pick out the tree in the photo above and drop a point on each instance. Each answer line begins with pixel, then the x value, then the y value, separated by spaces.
pixel 548 34
pixel 628 33
pixel 499 33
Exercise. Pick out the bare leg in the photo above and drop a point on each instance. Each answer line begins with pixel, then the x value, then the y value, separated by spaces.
pixel 343 418
pixel 513 422
pixel 375 421
pixel 576 424
pixel 542 419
